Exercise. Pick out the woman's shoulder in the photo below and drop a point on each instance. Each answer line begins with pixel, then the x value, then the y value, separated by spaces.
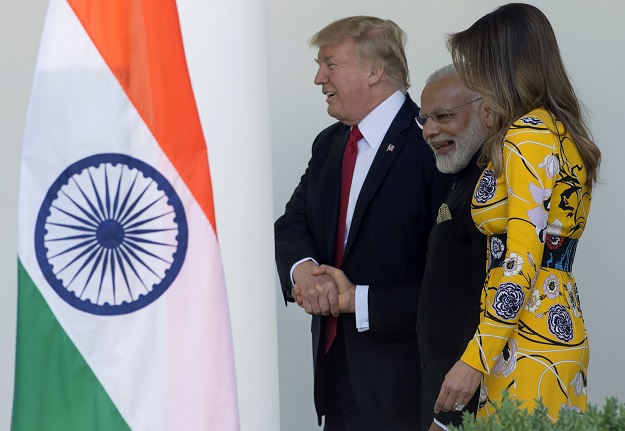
pixel 538 121
pixel 534 135
pixel 539 118
pixel 536 118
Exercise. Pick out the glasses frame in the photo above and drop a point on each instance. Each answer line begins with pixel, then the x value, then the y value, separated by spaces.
pixel 443 115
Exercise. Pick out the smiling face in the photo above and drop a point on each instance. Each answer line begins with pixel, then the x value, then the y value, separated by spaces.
pixel 345 79
pixel 456 141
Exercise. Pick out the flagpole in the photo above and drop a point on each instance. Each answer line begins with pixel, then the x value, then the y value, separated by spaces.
pixel 227 55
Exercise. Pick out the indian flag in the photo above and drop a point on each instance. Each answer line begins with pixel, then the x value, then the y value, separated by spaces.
pixel 122 309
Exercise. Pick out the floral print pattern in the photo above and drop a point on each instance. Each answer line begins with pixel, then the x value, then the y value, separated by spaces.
pixel 531 120
pixel 553 242
pixel 551 286
pixel 530 315
pixel 534 302
pixel 579 305
pixel 560 323
pixel 579 383
pixel 512 265
pixel 505 363
pixel 551 164
pixel 539 215
pixel 483 396
pixel 572 300
pixel 508 300
pixel 497 247
pixel 486 187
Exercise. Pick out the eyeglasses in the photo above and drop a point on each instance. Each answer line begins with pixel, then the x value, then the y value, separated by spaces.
pixel 441 115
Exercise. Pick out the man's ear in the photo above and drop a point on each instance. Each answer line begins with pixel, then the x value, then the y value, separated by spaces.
pixel 489 118
pixel 376 72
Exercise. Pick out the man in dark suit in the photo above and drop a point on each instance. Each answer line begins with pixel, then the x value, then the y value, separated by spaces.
pixel 455 124
pixel 374 227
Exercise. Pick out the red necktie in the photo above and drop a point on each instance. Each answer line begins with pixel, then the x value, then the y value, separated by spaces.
pixel 347 173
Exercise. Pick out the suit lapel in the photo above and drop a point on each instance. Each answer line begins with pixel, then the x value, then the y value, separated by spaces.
pixel 382 162
pixel 331 185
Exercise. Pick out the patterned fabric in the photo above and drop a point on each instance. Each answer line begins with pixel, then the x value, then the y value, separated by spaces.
pixel 443 213
pixel 531 339
pixel 558 252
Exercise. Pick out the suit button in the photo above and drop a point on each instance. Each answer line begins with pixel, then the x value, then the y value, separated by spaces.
pixel 417 329
pixel 422 365
pixel 453 185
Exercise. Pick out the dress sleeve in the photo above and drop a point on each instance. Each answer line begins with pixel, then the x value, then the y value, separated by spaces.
pixel 529 162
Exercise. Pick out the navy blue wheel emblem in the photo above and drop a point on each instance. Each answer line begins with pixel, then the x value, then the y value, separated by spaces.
pixel 111 234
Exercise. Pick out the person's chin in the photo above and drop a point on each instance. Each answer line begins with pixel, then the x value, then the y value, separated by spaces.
pixel 333 112
pixel 446 164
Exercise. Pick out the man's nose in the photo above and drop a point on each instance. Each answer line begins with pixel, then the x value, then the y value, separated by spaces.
pixel 320 77
pixel 430 129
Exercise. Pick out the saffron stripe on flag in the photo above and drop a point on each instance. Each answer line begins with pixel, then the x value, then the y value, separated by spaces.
pixel 146 55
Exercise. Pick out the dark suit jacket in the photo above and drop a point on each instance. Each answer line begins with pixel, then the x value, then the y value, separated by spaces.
pixel 449 305
pixel 385 249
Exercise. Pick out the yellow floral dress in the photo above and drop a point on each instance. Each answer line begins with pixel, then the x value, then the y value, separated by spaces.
pixel 531 339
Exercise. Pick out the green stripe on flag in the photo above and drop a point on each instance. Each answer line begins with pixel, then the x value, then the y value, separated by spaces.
pixel 54 387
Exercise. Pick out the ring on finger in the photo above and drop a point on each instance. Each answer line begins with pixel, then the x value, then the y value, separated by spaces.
pixel 458 407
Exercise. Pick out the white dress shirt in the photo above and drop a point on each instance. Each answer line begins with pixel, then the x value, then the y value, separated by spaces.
pixel 373 128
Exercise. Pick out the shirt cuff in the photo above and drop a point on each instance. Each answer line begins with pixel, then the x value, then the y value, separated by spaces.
pixel 297 263
pixel 441 425
pixel 362 308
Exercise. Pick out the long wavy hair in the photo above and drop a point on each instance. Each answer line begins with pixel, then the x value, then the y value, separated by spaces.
pixel 511 56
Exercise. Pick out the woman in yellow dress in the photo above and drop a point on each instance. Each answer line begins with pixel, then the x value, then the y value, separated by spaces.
pixel 532 201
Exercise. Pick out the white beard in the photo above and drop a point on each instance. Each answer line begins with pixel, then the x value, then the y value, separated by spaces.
pixel 466 144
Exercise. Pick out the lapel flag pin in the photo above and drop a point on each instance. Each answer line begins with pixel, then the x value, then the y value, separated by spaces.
pixel 390 147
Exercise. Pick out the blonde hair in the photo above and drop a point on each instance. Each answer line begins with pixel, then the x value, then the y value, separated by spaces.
pixel 375 39
pixel 511 57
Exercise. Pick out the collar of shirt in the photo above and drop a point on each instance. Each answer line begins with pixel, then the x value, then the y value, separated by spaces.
pixel 375 125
